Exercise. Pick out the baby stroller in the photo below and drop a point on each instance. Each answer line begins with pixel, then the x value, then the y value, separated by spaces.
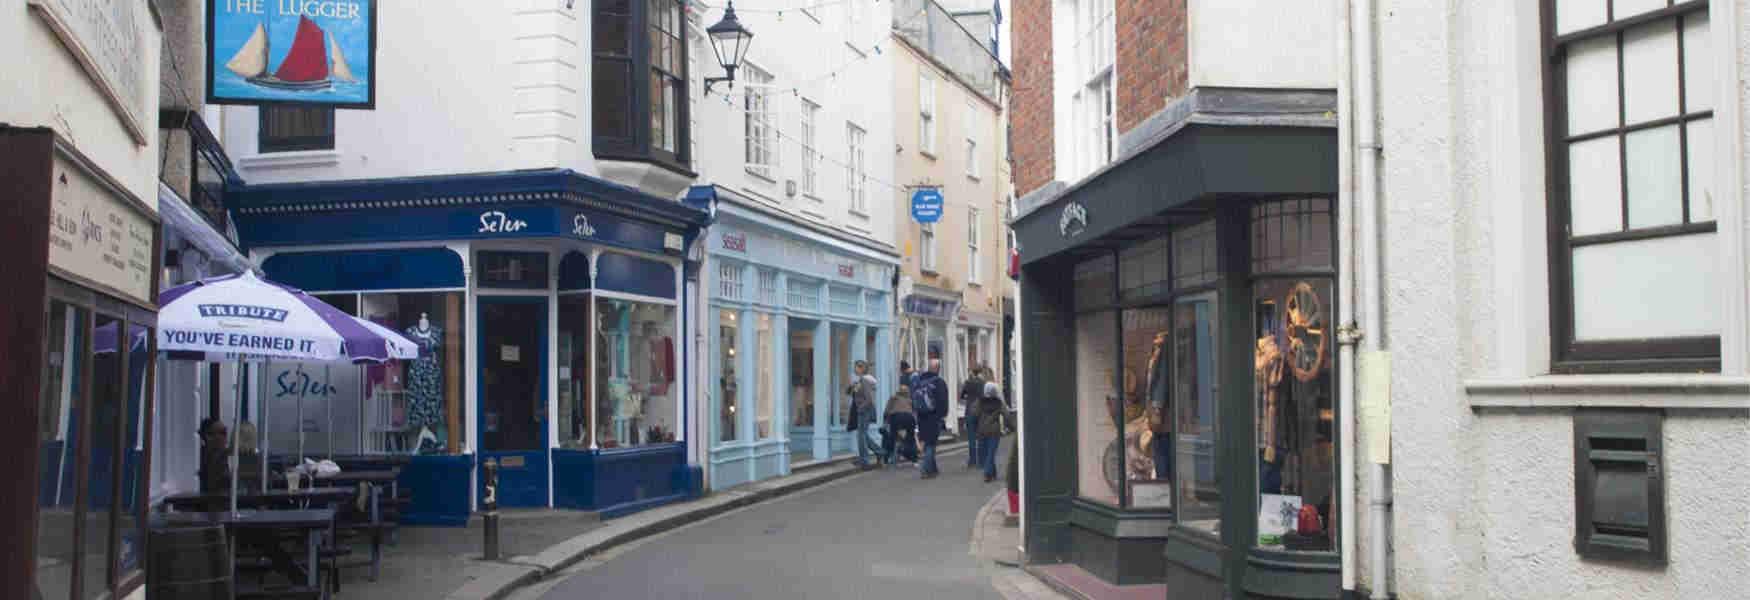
pixel 902 439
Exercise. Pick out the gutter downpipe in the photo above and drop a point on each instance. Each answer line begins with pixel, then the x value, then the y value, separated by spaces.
pixel 1346 333
pixel 1367 197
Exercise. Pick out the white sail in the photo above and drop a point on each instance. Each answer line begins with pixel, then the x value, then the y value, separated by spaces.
pixel 338 68
pixel 251 61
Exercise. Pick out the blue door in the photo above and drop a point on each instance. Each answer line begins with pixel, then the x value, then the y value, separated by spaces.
pixel 513 397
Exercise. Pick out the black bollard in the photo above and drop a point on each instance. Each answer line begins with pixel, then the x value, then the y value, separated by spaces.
pixel 489 509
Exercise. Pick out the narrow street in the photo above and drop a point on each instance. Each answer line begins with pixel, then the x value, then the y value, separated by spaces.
pixel 882 534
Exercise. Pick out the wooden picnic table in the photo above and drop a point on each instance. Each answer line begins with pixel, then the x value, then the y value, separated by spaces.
pixel 304 498
pixel 378 480
pixel 310 521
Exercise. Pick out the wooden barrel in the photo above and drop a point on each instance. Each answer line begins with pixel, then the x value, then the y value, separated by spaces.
pixel 188 563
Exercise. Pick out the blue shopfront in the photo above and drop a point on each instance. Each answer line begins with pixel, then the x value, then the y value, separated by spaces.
pixel 549 311
pixel 792 308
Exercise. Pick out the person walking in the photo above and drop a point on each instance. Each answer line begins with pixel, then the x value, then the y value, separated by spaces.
pixel 990 429
pixel 899 437
pixel 929 396
pixel 970 392
pixel 862 393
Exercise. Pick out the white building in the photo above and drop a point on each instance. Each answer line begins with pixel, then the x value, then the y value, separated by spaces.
pixel 1561 206
pixel 801 256
pixel 515 189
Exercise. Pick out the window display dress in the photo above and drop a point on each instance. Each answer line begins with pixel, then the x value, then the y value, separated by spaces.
pixel 425 382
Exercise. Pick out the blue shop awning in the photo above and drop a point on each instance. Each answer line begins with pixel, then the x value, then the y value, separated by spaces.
pixel 518 204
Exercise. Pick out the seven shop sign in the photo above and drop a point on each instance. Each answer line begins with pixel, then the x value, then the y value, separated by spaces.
pixel 314 52
pixel 926 205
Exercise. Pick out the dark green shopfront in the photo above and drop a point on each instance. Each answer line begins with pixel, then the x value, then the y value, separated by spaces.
pixel 1192 439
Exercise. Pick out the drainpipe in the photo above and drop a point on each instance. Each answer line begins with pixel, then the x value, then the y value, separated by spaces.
pixel 1367 198
pixel 1346 332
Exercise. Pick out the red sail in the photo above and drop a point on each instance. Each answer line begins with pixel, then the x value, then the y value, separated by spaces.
pixel 308 58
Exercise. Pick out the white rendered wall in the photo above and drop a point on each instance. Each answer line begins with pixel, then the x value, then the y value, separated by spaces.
pixel 1481 434
pixel 42 85
pixel 1263 43
pixel 462 87
pixel 818 57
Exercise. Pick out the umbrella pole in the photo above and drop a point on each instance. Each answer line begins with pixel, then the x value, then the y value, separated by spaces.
pixel 265 435
pixel 236 431
pixel 301 423
pixel 329 395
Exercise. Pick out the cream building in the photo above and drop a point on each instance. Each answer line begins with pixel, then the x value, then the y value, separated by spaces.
pixel 949 94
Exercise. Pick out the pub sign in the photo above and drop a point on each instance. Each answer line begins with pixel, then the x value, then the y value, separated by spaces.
pixel 311 52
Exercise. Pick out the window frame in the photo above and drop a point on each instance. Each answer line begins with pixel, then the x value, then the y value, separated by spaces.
pixel 1646 355
pixel 91 306
pixel 639 145
pixel 974 270
pixel 759 117
pixel 810 149
pixel 927 255
pixel 926 114
pixel 266 144
pixel 856 169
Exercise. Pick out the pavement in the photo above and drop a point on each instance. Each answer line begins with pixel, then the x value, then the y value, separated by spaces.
pixel 828 530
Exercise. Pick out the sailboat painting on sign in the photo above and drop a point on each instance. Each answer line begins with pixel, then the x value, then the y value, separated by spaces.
pixel 292 51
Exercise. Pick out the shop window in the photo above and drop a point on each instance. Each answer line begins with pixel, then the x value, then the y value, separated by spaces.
pixel 1195 256
pixel 1146 335
pixel 766 368
pixel 574 361
pixel 1292 235
pixel 1295 413
pixel 131 502
pixel 640 81
pixel 1631 161
pixel 293 128
pixel 1093 283
pixel 1143 270
pixel 58 450
pixel 1099 411
pixel 515 270
pixel 841 374
pixel 802 376
pixel 636 402
pixel 101 468
pixel 729 381
pixel 409 406
pixel 1196 410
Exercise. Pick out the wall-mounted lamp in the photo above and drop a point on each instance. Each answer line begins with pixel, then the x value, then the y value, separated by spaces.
pixel 730 40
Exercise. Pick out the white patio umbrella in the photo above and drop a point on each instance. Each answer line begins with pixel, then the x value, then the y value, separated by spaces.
pixel 244 318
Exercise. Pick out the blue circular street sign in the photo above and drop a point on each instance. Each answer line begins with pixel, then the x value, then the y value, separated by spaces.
pixel 926 205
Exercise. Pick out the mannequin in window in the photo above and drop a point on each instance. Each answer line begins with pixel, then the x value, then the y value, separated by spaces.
pixel 425 382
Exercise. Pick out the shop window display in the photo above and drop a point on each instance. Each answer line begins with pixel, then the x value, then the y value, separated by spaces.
pixel 841 374
pixel 409 406
pixel 1292 371
pixel 729 382
pixel 1099 410
pixel 766 368
pixel 1196 405
pixel 1146 335
pixel 636 371
pixel 573 371
pixel 802 376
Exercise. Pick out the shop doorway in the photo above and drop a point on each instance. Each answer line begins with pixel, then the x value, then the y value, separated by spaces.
pixel 513 397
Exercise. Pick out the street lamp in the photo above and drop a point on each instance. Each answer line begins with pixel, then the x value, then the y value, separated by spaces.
pixel 730 40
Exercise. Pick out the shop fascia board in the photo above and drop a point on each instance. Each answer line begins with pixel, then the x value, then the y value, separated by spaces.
pixel 1194 162
pixel 746 210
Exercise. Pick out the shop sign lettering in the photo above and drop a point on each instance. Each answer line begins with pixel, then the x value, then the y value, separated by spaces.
pixel 96 236
pixel 494 221
pixel 243 311
pixel 735 241
pixel 1073 220
pixel 580 226
pixel 104 36
pixel 847 271
pixel 297 383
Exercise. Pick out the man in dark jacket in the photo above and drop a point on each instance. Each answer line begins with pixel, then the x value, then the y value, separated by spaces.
pixel 970 393
pixel 931 411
